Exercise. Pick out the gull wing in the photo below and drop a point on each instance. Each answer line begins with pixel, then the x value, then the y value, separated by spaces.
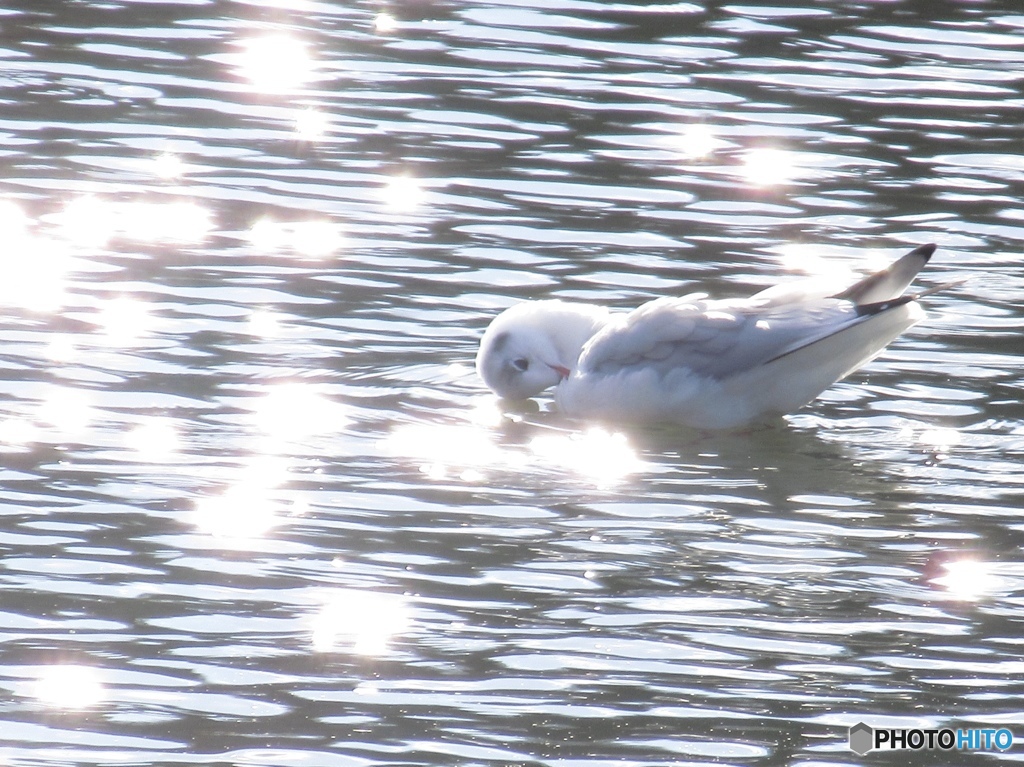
pixel 719 339
pixel 712 339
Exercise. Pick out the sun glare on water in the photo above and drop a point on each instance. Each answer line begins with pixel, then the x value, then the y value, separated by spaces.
pixel 402 194
pixel 361 622
pixel 697 141
pixel 311 124
pixel 13 220
pixel 90 222
pixel 315 239
pixel 265 323
pixel 36 273
pixel 384 23
pixel 768 166
pixel 168 166
pixel 240 514
pixel 294 411
pixel 312 238
pixel 68 411
pixel 276 63
pixel 470 451
pixel 124 319
pixel 602 457
pixel 153 439
pixel 969 579
pixel 462 449
pixel 69 687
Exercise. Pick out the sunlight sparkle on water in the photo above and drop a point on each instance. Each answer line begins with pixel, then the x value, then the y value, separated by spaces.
pixel 362 622
pixel 294 411
pixel 315 239
pixel 384 23
pixel 600 456
pixel 697 141
pixel 806 258
pixel 124 319
pixel 446 447
pixel 88 222
pixel 969 579
pixel 485 411
pixel 311 124
pixel 91 222
pixel 70 411
pixel 69 687
pixel 176 222
pixel 35 274
pixel 17 431
pixel 168 166
pixel 276 63
pixel 267 235
pixel 402 193
pixel 153 438
pixel 61 349
pixel 13 220
pixel 243 512
pixel 939 440
pixel 768 166
pixel 265 323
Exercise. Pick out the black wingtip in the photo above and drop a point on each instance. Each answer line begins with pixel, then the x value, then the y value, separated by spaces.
pixel 890 282
pixel 924 251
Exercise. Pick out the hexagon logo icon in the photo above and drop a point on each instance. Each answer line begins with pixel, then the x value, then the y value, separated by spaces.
pixel 861 737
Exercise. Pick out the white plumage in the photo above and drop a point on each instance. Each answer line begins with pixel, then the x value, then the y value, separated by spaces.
pixel 712 364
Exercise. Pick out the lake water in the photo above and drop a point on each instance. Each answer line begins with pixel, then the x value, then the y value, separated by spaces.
pixel 257 508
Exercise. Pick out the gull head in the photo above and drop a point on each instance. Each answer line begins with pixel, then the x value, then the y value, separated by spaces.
pixel 534 345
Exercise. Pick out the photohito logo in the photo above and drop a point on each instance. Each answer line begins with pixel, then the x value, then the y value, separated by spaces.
pixel 864 738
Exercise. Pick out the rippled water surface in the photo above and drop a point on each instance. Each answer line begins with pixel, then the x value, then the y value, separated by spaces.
pixel 258 509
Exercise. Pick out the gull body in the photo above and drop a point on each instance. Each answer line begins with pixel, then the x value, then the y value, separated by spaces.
pixel 694 361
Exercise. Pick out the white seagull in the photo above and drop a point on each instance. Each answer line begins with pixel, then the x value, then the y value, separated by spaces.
pixel 698 362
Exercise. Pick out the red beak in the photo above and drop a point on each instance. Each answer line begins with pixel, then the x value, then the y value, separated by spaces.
pixel 563 372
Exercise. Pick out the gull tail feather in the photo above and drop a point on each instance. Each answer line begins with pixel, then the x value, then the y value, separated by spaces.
pixel 881 306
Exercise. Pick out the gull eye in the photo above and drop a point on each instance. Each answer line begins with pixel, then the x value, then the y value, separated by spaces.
pixel 521 364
